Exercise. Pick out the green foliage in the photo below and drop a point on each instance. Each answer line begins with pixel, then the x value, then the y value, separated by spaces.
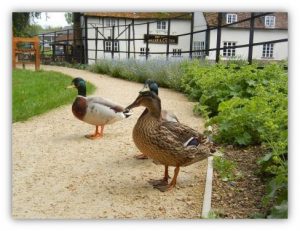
pixel 35 92
pixel 248 106
pixel 21 23
pixel 226 168
pixel 69 17
pixel 213 215
pixel 279 211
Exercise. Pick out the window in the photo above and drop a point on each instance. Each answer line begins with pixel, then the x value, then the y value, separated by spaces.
pixel 230 18
pixel 228 52
pixel 161 25
pixel 199 45
pixel 176 52
pixel 268 49
pixel 108 46
pixel 110 22
pixel 270 21
pixel 143 51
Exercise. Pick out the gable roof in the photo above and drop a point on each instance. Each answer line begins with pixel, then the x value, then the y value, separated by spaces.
pixel 281 21
pixel 141 15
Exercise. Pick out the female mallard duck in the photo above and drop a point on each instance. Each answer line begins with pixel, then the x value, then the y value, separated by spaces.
pixel 151 85
pixel 167 143
pixel 95 110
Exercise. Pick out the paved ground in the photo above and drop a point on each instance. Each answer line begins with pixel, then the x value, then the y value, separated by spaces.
pixel 58 173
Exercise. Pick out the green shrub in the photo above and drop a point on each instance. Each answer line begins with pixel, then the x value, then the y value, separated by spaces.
pixel 248 106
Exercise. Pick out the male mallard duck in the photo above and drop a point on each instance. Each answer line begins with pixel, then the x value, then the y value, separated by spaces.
pixel 151 85
pixel 166 115
pixel 167 143
pixel 95 110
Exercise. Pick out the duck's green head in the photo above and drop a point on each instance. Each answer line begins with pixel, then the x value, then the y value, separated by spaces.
pixel 79 83
pixel 151 85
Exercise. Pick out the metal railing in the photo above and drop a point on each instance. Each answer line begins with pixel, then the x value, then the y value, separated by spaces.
pixel 60 45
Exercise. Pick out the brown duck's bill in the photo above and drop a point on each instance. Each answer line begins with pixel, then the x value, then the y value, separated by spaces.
pixel 133 105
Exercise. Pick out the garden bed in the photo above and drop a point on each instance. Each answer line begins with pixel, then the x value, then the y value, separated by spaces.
pixel 242 197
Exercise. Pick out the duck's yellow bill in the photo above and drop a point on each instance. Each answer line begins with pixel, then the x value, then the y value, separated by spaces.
pixel 71 86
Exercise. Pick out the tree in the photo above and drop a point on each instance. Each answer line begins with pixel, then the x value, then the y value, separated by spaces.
pixel 33 30
pixel 69 17
pixel 21 22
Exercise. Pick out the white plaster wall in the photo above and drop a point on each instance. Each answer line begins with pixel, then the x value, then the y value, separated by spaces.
pixel 241 36
pixel 178 26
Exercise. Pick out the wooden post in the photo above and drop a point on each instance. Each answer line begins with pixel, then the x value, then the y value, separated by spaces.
pixel 133 38
pixel 207 41
pixel 128 54
pixel 218 37
pixel 96 44
pixel 251 36
pixel 54 47
pixel 43 48
pixel 192 36
pixel 147 41
pixel 67 50
pixel 113 42
pixel 37 52
pixel 168 39
pixel 86 40
pixel 14 47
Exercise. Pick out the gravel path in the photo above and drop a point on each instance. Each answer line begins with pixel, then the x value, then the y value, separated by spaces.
pixel 58 173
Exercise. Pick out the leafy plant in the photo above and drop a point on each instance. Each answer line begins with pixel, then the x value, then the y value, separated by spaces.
pixel 248 106
pixel 225 168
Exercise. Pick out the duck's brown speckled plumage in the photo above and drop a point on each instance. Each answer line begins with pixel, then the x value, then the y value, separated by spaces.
pixel 164 141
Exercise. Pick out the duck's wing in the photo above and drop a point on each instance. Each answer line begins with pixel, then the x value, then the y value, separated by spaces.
pixel 96 100
pixel 179 132
pixel 180 138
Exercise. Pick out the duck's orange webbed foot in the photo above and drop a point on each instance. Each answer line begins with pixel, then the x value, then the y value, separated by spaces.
pixel 96 135
pixel 168 187
pixel 157 183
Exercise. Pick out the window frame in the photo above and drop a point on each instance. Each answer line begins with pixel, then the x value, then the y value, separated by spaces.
pixel 267 19
pixel 199 46
pixel 143 51
pixel 229 52
pixel 109 22
pixel 177 52
pixel 268 51
pixel 161 24
pixel 230 16
pixel 108 44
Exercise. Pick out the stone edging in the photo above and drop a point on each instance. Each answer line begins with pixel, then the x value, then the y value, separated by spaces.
pixel 208 188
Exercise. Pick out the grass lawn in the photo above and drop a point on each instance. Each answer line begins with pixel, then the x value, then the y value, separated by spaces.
pixel 34 93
